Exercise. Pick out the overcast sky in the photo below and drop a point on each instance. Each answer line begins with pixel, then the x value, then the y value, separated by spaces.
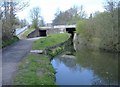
pixel 49 7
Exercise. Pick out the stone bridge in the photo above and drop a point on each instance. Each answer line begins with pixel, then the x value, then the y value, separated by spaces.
pixel 44 31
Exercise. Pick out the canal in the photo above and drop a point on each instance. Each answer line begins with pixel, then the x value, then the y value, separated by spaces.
pixel 86 67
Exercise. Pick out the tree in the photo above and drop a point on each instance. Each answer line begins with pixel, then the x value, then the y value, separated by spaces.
pixel 81 12
pixel 70 16
pixel 112 7
pixel 23 23
pixel 35 16
pixel 102 29
pixel 8 16
pixel 41 22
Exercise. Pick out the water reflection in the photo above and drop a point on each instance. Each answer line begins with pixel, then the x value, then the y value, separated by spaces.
pixel 86 67
pixel 71 75
pixel 103 64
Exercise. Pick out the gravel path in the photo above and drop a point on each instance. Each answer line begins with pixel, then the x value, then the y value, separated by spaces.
pixel 11 56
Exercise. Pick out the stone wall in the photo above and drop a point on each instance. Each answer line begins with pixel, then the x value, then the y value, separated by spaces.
pixel 55 30
pixel 48 32
pixel 34 34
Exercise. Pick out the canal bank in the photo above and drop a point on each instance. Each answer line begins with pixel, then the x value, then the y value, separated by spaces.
pixel 72 66
pixel 85 66
pixel 36 69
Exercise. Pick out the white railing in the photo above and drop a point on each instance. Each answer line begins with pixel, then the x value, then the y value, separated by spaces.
pixel 20 30
pixel 65 26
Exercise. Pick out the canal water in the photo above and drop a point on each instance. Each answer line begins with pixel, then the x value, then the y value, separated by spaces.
pixel 86 67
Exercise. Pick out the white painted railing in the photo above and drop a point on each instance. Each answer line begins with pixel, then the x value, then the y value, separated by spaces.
pixel 20 30
pixel 65 26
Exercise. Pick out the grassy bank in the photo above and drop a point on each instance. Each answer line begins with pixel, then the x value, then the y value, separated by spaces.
pixel 50 41
pixel 9 41
pixel 28 31
pixel 35 70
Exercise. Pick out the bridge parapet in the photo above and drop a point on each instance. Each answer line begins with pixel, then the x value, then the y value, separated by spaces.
pixel 65 26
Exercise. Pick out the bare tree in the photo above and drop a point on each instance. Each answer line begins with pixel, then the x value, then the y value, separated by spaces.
pixel 81 12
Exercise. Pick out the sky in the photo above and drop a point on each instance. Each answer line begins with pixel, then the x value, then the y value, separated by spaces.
pixel 49 7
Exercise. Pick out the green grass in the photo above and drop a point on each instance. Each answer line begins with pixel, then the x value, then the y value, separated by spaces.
pixel 50 41
pixel 25 34
pixel 9 41
pixel 35 70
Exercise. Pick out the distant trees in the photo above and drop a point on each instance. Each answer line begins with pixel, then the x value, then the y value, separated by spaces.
pixel 70 16
pixel 23 23
pixel 36 17
pixel 41 22
pixel 102 27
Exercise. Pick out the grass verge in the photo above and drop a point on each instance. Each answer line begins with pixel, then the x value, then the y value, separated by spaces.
pixel 9 41
pixel 35 70
pixel 50 41
pixel 25 34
